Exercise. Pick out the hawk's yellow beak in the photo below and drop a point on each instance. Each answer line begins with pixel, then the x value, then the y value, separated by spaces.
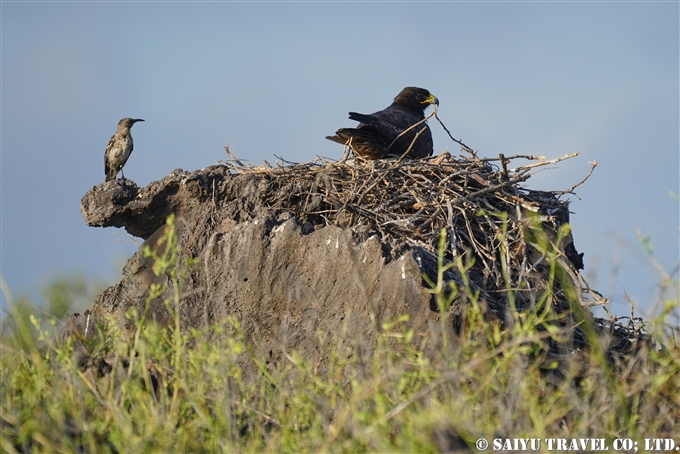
pixel 431 100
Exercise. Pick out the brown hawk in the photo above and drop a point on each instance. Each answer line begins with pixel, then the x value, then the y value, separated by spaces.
pixel 375 136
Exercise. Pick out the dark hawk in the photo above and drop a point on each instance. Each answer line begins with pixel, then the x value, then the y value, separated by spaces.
pixel 375 136
pixel 119 148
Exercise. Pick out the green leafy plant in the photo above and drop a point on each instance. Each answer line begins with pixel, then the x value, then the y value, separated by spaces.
pixel 169 389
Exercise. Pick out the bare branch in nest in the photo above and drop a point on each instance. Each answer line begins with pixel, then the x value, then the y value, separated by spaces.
pixel 549 162
pixel 465 147
pixel 279 158
pixel 407 130
pixel 347 150
pixel 504 165
pixel 593 164
pixel 517 156
pixel 410 147
pixel 233 157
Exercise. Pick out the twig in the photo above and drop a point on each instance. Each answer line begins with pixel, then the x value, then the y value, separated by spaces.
pixel 408 150
pixel 233 156
pixel 546 163
pixel 517 156
pixel 593 164
pixel 407 130
pixel 468 149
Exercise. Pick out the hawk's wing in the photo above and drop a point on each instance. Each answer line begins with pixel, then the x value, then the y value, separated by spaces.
pixel 386 132
pixel 381 129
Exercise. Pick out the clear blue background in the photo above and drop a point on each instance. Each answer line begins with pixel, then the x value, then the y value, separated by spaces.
pixel 275 78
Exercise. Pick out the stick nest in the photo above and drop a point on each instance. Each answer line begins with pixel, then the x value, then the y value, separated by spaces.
pixel 508 244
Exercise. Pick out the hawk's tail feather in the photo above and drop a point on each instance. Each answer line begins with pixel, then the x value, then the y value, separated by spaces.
pixel 362 118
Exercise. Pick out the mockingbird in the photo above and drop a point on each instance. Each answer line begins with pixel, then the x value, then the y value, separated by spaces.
pixel 119 149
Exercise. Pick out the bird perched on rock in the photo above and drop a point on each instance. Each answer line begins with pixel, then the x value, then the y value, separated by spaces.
pixel 379 135
pixel 119 148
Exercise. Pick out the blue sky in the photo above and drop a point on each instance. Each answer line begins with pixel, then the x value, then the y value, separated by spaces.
pixel 276 78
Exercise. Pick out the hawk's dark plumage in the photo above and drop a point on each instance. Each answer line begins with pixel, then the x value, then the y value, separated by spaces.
pixel 119 148
pixel 376 132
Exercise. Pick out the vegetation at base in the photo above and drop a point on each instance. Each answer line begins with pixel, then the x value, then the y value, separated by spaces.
pixel 61 295
pixel 166 390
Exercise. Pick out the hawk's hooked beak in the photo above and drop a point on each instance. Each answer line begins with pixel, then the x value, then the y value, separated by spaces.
pixel 431 100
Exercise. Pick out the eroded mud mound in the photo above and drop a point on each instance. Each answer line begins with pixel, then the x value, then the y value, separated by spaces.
pixel 301 248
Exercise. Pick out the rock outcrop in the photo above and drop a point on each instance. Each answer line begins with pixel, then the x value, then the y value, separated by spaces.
pixel 333 248
pixel 283 281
